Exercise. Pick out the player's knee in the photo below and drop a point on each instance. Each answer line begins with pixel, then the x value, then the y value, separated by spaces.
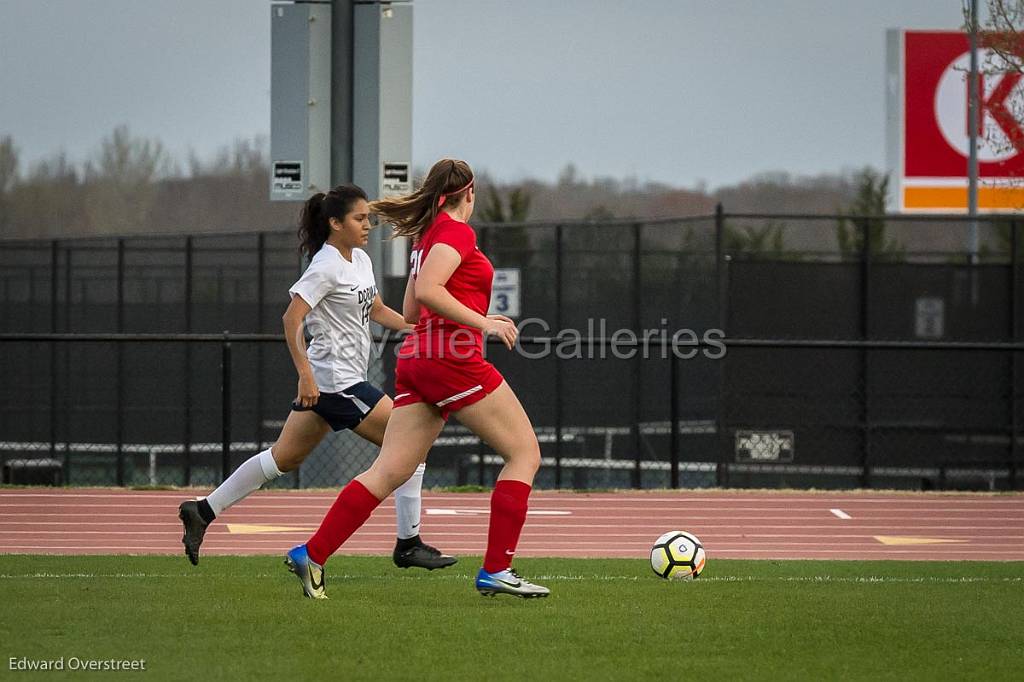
pixel 529 455
pixel 398 477
pixel 533 461
pixel 408 488
pixel 391 477
pixel 286 461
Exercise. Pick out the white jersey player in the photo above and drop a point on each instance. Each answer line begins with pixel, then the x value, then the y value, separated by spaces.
pixel 335 300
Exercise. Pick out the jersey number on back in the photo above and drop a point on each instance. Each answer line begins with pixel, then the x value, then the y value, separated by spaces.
pixel 415 261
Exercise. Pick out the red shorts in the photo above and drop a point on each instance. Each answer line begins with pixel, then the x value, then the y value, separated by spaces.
pixel 448 383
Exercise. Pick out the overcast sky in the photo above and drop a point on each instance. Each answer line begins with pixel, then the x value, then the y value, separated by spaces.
pixel 674 91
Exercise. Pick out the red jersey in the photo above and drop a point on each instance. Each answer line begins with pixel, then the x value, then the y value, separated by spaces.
pixel 470 284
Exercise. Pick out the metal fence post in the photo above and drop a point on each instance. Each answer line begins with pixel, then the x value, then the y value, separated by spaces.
pixel 66 398
pixel 187 436
pixel 559 235
pixel 1014 337
pixel 260 282
pixel 637 372
pixel 673 402
pixel 481 448
pixel 53 355
pixel 865 332
pixel 225 406
pixel 721 284
pixel 119 358
pixel 298 273
pixel 481 466
pixel 54 253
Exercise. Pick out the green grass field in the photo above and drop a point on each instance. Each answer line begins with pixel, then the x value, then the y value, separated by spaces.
pixel 244 618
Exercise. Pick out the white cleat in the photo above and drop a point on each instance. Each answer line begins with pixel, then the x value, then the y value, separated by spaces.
pixel 508 582
pixel 310 573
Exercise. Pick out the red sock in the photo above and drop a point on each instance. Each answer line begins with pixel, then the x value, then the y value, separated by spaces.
pixel 350 510
pixel 508 514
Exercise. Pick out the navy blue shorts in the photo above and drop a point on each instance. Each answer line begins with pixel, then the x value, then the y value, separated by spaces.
pixel 345 410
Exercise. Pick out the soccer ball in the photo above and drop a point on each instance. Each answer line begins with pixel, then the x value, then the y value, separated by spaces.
pixel 678 555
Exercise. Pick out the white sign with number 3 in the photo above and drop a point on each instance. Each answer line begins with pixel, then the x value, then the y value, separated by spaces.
pixel 505 293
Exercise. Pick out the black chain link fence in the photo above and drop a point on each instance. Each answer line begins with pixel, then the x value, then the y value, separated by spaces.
pixel 905 416
pixel 612 404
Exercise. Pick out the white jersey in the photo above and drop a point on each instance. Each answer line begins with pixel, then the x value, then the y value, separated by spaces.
pixel 341 296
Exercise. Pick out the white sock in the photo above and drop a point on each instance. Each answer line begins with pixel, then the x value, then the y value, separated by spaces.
pixel 245 480
pixel 407 505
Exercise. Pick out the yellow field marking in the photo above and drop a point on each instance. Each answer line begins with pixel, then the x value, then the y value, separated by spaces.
pixel 249 529
pixel 898 540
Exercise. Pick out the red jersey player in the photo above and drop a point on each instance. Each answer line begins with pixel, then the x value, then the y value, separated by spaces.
pixel 441 371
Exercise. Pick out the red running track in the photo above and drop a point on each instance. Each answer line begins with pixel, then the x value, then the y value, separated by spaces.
pixel 745 525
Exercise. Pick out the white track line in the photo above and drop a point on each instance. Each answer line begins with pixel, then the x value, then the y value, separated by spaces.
pixel 627 504
pixel 581 578
pixel 840 513
pixel 444 533
pixel 581 498
pixel 567 527
pixel 554 552
pixel 654 517
pixel 641 545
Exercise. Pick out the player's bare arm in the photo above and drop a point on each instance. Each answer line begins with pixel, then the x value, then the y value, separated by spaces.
pixel 293 317
pixel 388 317
pixel 430 291
pixel 410 308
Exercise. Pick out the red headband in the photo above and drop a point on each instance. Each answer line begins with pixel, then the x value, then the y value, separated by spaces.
pixel 444 197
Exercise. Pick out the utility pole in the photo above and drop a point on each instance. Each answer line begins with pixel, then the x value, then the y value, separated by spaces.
pixel 341 105
pixel 972 124
pixel 341 91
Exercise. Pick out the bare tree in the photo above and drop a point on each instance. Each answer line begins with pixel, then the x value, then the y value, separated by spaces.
pixel 1001 61
pixel 244 157
pixel 8 178
pixel 225 192
pixel 1002 33
pixel 8 164
pixel 47 201
pixel 122 180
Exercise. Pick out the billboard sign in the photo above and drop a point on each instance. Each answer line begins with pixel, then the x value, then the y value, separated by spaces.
pixel 927 126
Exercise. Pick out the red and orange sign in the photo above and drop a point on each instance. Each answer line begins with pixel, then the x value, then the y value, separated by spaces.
pixel 929 151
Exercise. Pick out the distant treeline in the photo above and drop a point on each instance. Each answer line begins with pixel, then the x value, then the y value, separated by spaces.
pixel 133 185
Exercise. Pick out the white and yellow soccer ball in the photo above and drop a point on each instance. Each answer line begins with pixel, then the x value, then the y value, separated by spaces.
pixel 678 555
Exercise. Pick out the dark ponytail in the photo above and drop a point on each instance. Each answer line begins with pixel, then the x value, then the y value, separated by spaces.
pixel 314 220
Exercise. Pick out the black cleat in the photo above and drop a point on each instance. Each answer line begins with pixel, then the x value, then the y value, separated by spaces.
pixel 195 529
pixel 422 556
